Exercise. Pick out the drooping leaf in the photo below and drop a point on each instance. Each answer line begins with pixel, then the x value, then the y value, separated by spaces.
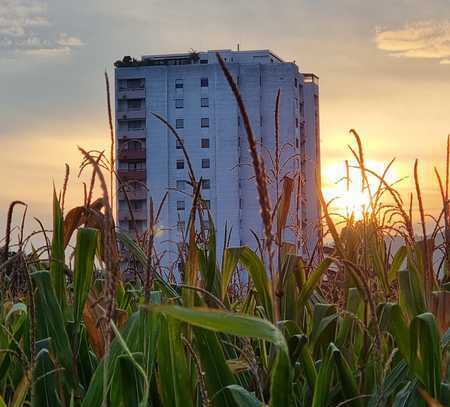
pixel 243 325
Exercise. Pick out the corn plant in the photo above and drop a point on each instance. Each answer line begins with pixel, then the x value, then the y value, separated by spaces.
pixel 365 326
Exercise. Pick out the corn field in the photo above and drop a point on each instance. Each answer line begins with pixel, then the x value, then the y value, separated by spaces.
pixel 366 325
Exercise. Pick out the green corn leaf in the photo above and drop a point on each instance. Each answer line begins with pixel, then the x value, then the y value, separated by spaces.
pixel 397 262
pixel 45 384
pixel 242 397
pixel 393 320
pixel 425 359
pixel 230 261
pixel 217 373
pixel 312 281
pixel 174 378
pixel 334 362
pixel 84 268
pixel 57 262
pixel 138 253
pixel 291 266
pixel 242 325
pixel 51 324
pixel 354 310
pixel 255 268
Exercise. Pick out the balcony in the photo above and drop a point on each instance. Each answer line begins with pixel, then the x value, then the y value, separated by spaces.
pixel 136 175
pixel 131 114
pixel 126 133
pixel 133 194
pixel 127 93
pixel 132 154
pixel 138 214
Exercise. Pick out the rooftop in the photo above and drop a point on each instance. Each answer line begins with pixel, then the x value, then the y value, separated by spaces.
pixel 200 57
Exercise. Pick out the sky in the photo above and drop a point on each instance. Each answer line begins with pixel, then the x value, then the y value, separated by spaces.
pixel 384 70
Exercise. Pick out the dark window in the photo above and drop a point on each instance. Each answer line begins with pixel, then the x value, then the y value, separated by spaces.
pixel 178 143
pixel 180 226
pixel 295 82
pixel 135 83
pixel 204 82
pixel 136 166
pixel 206 184
pixel 136 124
pixel 204 102
pixel 180 164
pixel 179 84
pixel 203 61
pixel 208 203
pixel 296 143
pixel 296 122
pixel 134 104
pixel 180 205
pixel 179 103
pixel 179 123
pixel 205 143
pixel 181 184
pixel 138 204
pixel 204 122
pixel 205 163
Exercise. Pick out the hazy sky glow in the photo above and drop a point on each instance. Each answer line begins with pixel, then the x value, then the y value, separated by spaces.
pixel 384 70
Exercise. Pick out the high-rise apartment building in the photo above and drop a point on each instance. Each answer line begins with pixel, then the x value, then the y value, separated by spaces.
pixel 191 93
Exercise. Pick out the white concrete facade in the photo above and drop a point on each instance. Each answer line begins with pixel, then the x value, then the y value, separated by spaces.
pixel 191 92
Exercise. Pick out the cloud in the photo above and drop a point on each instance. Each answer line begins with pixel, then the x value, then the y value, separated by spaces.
pixel 26 28
pixel 423 39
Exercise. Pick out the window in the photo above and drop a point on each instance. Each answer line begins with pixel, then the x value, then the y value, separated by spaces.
pixel 206 224
pixel 296 122
pixel 180 205
pixel 206 184
pixel 204 122
pixel 179 84
pixel 180 164
pixel 180 184
pixel 134 104
pixel 136 166
pixel 295 82
pixel 205 143
pixel 178 144
pixel 180 226
pixel 203 61
pixel 207 203
pixel 204 102
pixel 296 142
pixel 135 83
pixel 136 125
pixel 138 204
pixel 205 163
pixel 179 103
pixel 204 82
pixel 179 123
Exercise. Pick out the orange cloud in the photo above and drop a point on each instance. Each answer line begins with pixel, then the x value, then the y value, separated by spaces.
pixel 423 39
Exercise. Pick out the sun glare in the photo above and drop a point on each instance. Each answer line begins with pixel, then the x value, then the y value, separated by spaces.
pixel 348 197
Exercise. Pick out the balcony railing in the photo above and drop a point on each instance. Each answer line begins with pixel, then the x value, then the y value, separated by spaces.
pixel 131 114
pixel 132 154
pixel 128 93
pixel 138 214
pixel 137 175
pixel 126 133
pixel 133 194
